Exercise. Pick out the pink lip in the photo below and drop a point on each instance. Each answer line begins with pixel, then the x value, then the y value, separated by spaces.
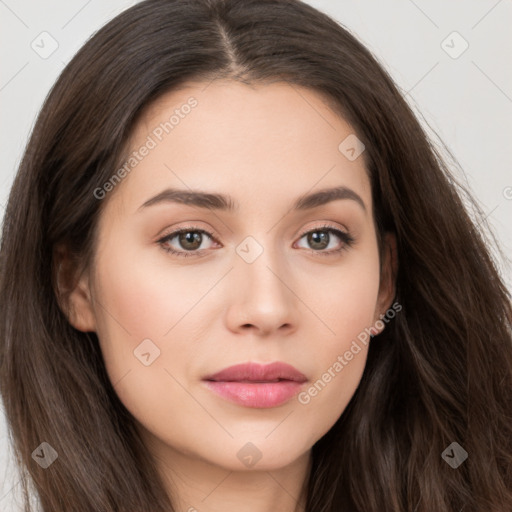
pixel 255 385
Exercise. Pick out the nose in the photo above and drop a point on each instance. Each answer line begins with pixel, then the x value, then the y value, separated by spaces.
pixel 263 299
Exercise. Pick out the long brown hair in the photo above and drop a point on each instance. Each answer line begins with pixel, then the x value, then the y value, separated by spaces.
pixel 441 371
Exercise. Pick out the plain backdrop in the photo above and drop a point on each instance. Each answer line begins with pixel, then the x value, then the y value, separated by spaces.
pixel 449 59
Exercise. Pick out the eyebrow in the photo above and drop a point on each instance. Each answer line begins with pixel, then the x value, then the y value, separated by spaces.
pixel 226 203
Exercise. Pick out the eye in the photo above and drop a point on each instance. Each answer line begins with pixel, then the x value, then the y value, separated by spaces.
pixel 188 239
pixel 320 238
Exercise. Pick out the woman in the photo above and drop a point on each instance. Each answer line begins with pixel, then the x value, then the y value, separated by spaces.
pixel 334 336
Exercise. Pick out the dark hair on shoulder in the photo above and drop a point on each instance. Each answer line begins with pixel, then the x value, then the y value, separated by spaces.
pixel 441 372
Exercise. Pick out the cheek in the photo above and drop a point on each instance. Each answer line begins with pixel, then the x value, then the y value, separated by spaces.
pixel 346 296
pixel 338 369
pixel 148 315
pixel 348 309
pixel 148 369
pixel 141 298
pixel 131 308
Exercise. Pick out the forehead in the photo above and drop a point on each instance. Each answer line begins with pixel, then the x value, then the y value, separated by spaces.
pixel 251 140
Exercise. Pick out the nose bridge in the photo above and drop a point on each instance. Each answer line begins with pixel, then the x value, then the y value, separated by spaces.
pixel 259 265
pixel 263 297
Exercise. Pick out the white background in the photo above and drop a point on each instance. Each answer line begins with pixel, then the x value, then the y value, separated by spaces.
pixel 467 101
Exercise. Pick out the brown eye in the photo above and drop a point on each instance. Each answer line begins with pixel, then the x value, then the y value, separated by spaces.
pixel 188 241
pixel 319 239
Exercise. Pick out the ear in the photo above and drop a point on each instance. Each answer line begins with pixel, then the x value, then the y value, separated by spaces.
pixel 387 286
pixel 73 291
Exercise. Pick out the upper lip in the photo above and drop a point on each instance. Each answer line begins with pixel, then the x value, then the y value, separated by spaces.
pixel 254 372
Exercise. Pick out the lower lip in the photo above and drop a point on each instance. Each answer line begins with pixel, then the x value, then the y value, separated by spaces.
pixel 260 395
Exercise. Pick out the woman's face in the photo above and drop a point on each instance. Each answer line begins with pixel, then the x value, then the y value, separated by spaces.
pixel 259 289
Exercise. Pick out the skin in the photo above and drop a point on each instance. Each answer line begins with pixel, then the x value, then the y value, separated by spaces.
pixel 265 146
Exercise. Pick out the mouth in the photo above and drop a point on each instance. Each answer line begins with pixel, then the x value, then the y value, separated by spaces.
pixel 247 381
pixel 257 386
pixel 258 373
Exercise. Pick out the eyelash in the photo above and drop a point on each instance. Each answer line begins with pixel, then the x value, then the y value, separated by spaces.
pixel 347 240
